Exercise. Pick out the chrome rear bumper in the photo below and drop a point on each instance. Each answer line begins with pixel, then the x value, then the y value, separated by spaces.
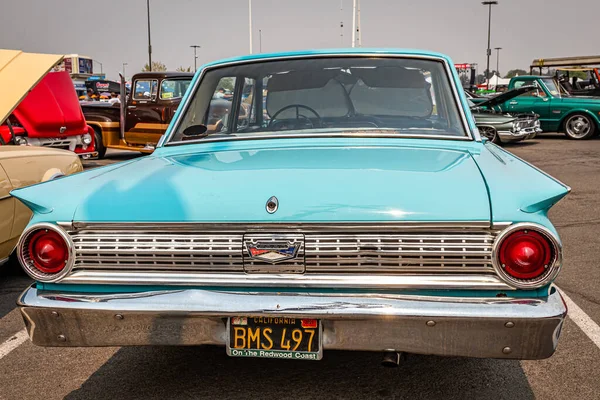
pixel 471 327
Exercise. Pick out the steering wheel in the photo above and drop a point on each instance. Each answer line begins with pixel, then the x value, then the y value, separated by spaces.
pixel 298 115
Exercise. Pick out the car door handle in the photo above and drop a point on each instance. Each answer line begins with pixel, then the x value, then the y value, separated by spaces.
pixel 514 102
pixel 131 107
pixel 546 99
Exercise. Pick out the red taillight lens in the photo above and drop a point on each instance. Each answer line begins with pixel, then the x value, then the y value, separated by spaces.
pixel 525 254
pixel 48 251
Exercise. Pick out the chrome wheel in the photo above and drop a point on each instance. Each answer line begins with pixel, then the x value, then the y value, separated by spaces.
pixel 489 133
pixel 579 126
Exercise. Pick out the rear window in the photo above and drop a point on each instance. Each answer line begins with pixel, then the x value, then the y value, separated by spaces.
pixel 362 95
pixel 145 89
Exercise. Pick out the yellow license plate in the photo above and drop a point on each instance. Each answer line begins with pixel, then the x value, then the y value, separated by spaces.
pixel 274 337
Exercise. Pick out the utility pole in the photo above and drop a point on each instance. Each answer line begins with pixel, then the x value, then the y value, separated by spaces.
pixel 358 28
pixel 124 65
pixel 489 51
pixel 342 22
pixel 149 43
pixel 195 47
pixel 354 23
pixel 356 32
pixel 498 60
pixel 250 23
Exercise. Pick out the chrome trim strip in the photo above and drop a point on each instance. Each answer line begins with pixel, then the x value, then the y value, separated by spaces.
pixel 313 280
pixel 471 135
pixel 4 260
pixel 227 302
pixel 552 270
pixel 27 264
pixel 251 136
pixel 246 227
pixel 5 197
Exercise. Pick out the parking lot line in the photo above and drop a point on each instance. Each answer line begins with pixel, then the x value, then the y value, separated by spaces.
pixel 13 342
pixel 583 321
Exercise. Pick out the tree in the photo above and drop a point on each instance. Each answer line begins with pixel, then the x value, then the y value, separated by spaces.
pixel 156 66
pixel 226 83
pixel 578 74
pixel 182 69
pixel 514 72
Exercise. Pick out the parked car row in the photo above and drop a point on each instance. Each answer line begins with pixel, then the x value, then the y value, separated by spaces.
pixel 578 117
pixel 338 200
pixel 39 111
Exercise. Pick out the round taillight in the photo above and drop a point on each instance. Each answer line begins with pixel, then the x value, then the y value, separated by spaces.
pixel 527 256
pixel 46 252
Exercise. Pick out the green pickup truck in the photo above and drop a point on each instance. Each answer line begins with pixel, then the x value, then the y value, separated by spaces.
pixel 577 117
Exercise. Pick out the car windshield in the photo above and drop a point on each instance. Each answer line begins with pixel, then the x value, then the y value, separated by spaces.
pixel 552 87
pixel 173 88
pixel 320 96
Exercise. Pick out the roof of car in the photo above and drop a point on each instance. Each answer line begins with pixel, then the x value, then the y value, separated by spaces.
pixel 331 52
pixel 164 74
pixel 532 77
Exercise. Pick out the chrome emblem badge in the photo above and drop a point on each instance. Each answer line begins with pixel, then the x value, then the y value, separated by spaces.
pixel 272 205
pixel 272 250
pixel 62 129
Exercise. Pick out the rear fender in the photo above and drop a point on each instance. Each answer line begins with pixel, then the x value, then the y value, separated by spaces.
pixel 518 191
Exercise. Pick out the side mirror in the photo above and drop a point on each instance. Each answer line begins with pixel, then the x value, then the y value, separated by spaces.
pixel 195 130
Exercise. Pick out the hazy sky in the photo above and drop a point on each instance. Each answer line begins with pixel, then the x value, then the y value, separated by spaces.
pixel 115 31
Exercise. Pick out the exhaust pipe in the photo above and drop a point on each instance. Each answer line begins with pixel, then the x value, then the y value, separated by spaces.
pixel 391 359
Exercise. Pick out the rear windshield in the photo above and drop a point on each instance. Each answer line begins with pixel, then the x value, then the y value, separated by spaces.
pixel 363 96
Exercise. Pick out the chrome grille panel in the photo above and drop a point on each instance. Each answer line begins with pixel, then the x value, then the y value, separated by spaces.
pixel 158 251
pixel 428 252
pixel 220 249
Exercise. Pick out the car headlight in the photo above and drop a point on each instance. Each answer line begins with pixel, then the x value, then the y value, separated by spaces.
pixel 21 141
pixel 86 138
pixel 515 127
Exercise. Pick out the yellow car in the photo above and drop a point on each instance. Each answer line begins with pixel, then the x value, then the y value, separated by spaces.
pixel 24 165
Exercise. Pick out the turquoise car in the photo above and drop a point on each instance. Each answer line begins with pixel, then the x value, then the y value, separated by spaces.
pixel 345 201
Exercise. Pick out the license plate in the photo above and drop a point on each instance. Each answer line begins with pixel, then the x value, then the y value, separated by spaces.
pixel 266 337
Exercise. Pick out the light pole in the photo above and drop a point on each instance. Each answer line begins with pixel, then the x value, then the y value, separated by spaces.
pixel 489 51
pixel 124 65
pixel 101 68
pixel 195 47
pixel 250 24
pixel 356 31
pixel 354 23
pixel 498 60
pixel 149 44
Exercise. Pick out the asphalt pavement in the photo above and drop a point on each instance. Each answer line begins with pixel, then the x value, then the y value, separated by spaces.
pixel 31 372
